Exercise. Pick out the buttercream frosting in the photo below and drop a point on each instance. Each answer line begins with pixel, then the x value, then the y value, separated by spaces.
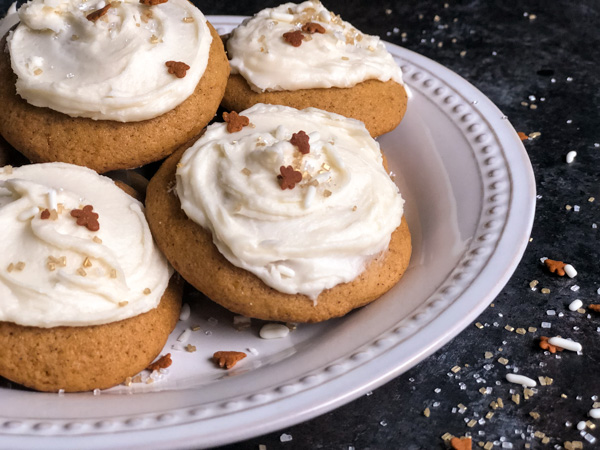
pixel 341 57
pixel 55 272
pixel 112 68
pixel 302 240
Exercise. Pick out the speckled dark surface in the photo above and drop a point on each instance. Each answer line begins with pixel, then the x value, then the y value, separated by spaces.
pixel 549 60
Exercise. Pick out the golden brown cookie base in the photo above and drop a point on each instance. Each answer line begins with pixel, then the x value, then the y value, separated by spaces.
pixel 191 251
pixel 380 105
pixel 86 358
pixel 44 135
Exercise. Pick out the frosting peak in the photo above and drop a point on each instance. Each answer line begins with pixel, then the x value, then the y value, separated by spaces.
pixel 109 67
pixel 76 250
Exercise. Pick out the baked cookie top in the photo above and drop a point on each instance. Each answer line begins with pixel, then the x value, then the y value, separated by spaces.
pixel 298 198
pixel 124 60
pixel 76 250
pixel 305 46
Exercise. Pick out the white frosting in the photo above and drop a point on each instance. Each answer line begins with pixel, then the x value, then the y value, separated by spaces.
pixel 113 68
pixel 342 57
pixel 118 269
pixel 313 237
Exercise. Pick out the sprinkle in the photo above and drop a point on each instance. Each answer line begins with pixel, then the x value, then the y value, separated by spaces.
pixel 241 322
pixel 500 403
pixel 535 415
pixel 521 331
pixel 38 71
pixel 147 291
pixel 594 413
pixel 185 312
pixel 8 169
pixel 520 379
pixel 185 335
pixel 516 398
pixel 471 423
pixel 534 135
pixel 489 415
pixel 274 331
pixel 285 437
pixel 122 304
pixel 455 369
pixel 188 19
pixel 571 156
pixel 574 288
pixel 533 284
pixel 509 328
pixel 503 361
pixel 87 263
pixel 570 271
pixel 190 348
pixel 532 329
pixel 81 272
pixel 479 325
pixel 488 355
pixel 154 39
pixel 575 305
pixel 427 412
pixel 581 425
pixel 113 273
pixel 20 266
pixel 10 267
pixel 546 325
pixel 545 291
pixel 97 240
pixel 246 171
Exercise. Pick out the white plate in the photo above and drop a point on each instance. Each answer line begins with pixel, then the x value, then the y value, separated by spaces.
pixel 470 196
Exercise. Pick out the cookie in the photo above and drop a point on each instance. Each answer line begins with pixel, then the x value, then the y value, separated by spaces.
pixel 81 278
pixel 78 359
pixel 304 55
pixel 100 124
pixel 195 246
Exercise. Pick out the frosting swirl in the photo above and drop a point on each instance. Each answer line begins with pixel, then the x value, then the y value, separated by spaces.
pixel 340 57
pixel 55 272
pixel 112 68
pixel 320 233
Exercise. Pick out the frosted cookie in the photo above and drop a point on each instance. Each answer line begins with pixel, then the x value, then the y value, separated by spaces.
pixel 85 296
pixel 282 214
pixel 305 56
pixel 109 86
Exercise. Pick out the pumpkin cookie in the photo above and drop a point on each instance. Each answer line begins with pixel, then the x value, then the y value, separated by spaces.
pixel 84 292
pixel 110 92
pixel 292 217
pixel 306 56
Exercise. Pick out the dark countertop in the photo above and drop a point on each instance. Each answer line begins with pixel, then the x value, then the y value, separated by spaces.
pixel 538 62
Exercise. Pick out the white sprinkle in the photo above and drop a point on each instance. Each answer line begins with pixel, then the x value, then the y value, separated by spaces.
pixel 575 305
pixel 28 214
pixel 571 156
pixel 97 392
pixel 52 203
pixel 565 343
pixel 252 351
pixel 546 325
pixel 285 437
pixel 520 379
pixel 551 312
pixel 575 288
pixel 570 271
pixel 581 425
pixel 183 337
pixel 576 208
pixel 594 413
pixel 61 392
pixel 274 331
pixel 309 196
pixel 185 312
pixel 286 271
pixel 177 347
pixel 241 321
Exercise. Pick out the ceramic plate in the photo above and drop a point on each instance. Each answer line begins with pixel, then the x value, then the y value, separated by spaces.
pixel 470 197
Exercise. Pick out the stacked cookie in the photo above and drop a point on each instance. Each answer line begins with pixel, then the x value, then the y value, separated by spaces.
pixel 281 212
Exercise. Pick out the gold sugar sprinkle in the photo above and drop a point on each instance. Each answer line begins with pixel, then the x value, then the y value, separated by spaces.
pixel 528 393
pixel 581 311
pixel 503 361
pixel 568 207
pixel 545 291
pixel 489 415
pixel 539 434
pixel 97 240
pixel 147 291
pixel 53 215
pixel 509 328
pixel 488 445
pixel 545 440
pixel 533 283
pixel 355 208
pixel 10 268
pixel 87 263
pixel 60 208
pixel 149 380
pixel 455 369
pixel 595 405
pixel 345 58
pixel 535 415
pixel 8 169
pixel 124 303
pixel 591 199
pixel 190 348
pixel 516 398
pixel 535 134
pixel 188 19
pixel 20 266
pixel 521 331
pixel 51 266
pixel 446 436
pixel 127 381
pixel 563 396
pixel 471 423
pixel 427 412
pixel 327 193
pixel 154 39
pixel 246 171
pixel 38 71
pixel 591 425
pixel 461 406
pixel 113 273
pixel 81 272
pixel 483 391
pixel 500 402
pixel 494 405
pixel 532 329
pixel 479 325
pixel 196 328
pixel 137 379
